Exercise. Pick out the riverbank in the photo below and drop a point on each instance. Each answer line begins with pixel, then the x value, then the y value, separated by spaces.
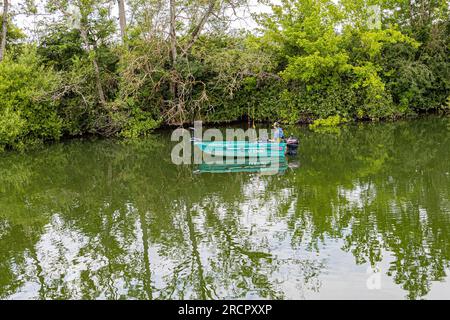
pixel 321 127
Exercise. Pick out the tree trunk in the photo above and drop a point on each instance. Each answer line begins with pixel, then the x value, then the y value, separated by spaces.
pixel 4 29
pixel 122 20
pixel 173 47
pixel 198 29
pixel 173 34
pixel 101 94
pixel 98 82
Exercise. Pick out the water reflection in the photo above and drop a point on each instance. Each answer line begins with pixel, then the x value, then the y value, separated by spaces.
pixel 112 221
pixel 264 165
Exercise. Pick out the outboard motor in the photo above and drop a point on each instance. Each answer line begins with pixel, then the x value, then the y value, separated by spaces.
pixel 292 145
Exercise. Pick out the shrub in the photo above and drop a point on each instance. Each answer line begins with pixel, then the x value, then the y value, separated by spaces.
pixel 27 111
pixel 332 121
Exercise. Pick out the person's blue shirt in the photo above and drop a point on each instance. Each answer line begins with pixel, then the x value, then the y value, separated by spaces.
pixel 279 134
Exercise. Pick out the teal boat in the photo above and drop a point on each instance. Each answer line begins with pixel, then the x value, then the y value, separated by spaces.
pixel 240 149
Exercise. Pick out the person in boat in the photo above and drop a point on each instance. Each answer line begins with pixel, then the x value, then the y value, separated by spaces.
pixel 278 134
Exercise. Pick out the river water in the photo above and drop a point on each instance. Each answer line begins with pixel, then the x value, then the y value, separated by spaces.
pixel 360 213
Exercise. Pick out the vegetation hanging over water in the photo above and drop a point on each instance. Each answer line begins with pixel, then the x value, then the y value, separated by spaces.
pixel 81 70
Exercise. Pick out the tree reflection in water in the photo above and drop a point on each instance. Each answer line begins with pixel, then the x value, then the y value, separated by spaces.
pixel 103 219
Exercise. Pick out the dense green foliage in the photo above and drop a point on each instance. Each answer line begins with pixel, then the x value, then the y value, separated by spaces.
pixel 358 72
pixel 28 113
pixel 308 60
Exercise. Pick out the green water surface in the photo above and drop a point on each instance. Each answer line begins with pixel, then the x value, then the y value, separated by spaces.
pixel 361 213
